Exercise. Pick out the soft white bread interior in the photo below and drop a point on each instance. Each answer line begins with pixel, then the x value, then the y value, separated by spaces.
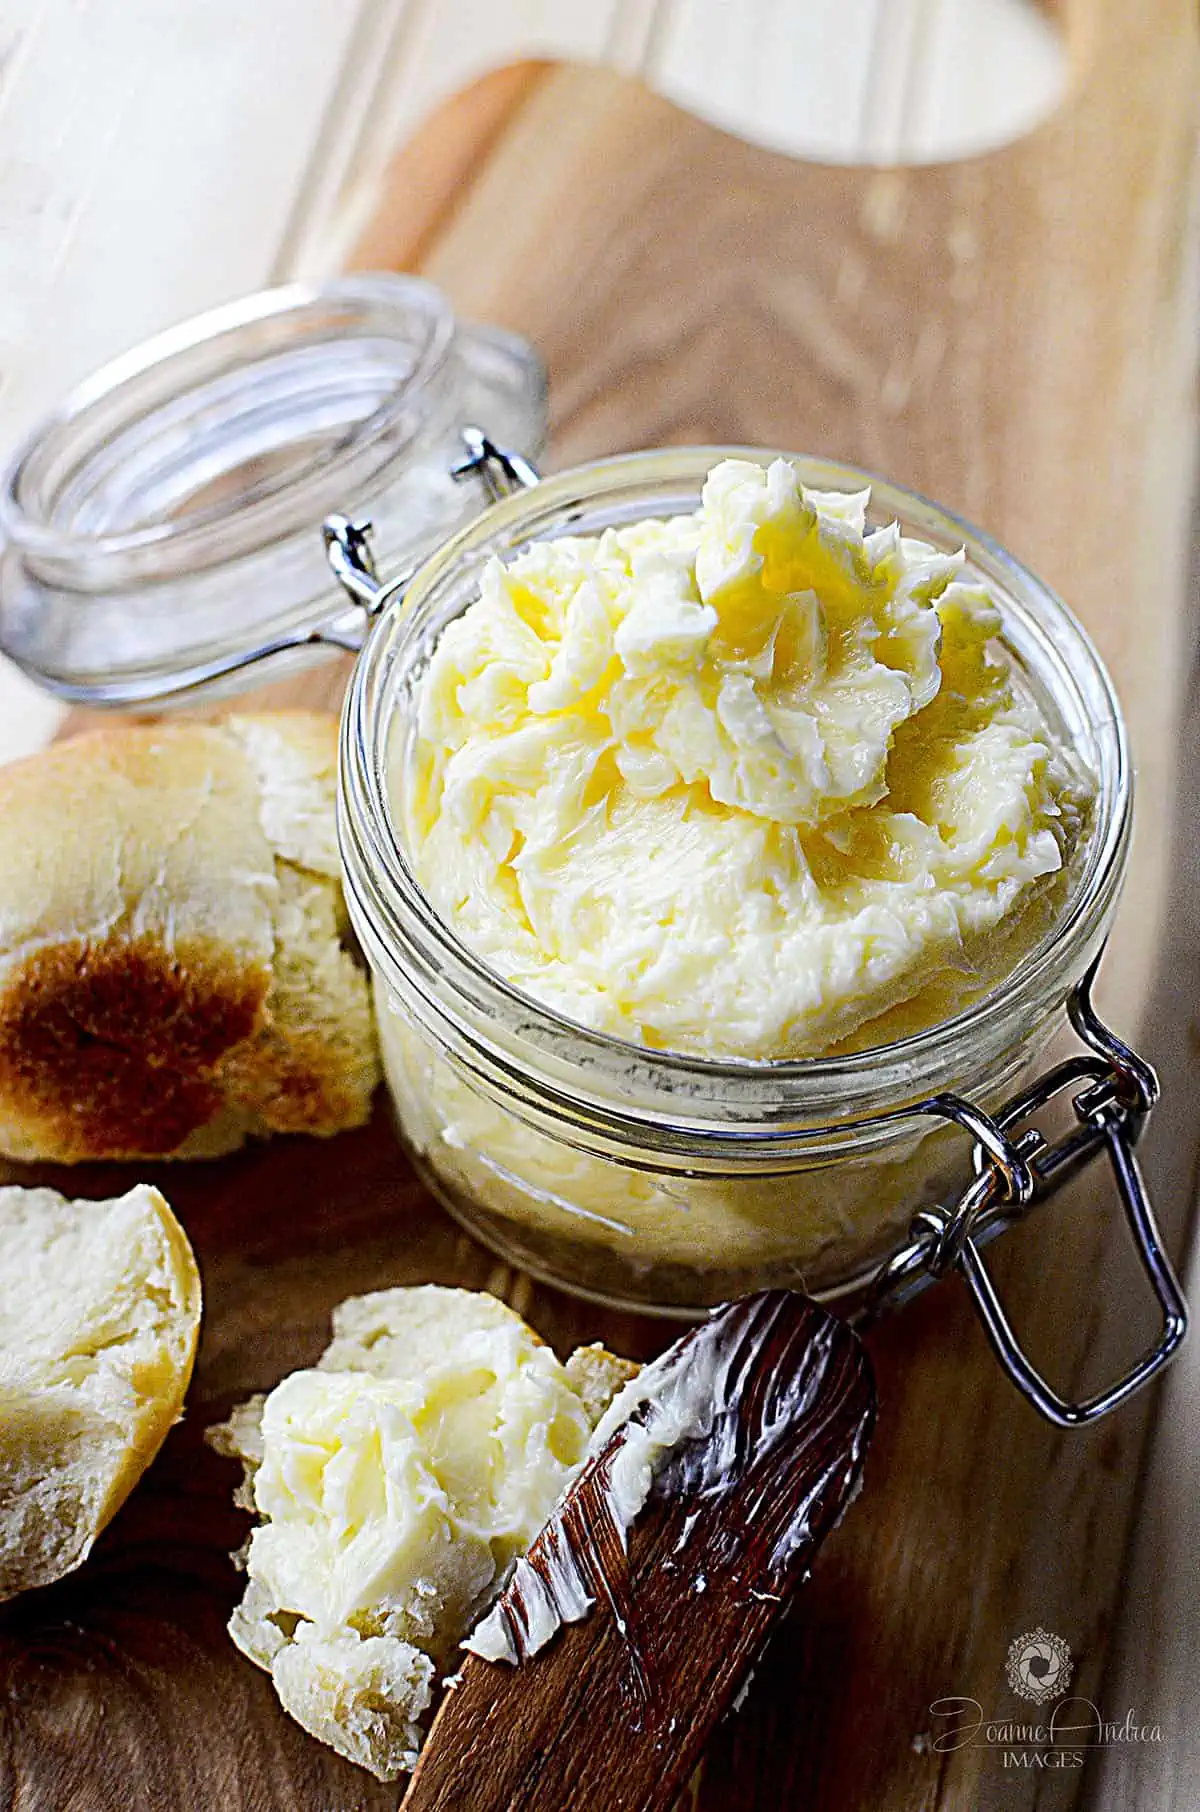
pixel 99 1315
pixel 176 966
pixel 396 1482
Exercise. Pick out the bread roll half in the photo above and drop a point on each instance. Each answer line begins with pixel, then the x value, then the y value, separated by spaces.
pixel 176 968
pixel 99 1315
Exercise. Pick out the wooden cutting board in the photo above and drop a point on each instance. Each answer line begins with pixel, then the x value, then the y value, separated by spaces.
pixel 1014 335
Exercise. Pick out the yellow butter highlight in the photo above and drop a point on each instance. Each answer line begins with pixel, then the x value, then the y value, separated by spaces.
pixel 753 782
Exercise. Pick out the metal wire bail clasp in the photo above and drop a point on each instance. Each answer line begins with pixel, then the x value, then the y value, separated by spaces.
pixel 348 544
pixel 1112 1091
pixel 348 551
pixel 500 470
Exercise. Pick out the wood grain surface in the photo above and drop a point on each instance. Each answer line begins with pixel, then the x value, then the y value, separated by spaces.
pixel 1013 334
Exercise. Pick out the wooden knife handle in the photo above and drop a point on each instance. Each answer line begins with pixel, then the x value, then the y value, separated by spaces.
pixel 611 1716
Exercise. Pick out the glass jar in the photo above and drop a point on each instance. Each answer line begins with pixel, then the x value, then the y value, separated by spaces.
pixel 161 529
pixel 162 539
pixel 644 1176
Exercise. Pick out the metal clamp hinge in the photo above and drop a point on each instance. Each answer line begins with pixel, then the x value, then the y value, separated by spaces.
pixel 348 544
pixel 1015 1167
pixel 500 470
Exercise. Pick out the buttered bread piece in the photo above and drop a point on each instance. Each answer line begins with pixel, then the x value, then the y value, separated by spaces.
pixel 176 969
pixel 99 1315
pixel 395 1483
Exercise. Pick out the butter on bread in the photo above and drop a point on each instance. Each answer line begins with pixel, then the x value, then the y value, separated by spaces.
pixel 176 968
pixel 396 1482
pixel 99 1316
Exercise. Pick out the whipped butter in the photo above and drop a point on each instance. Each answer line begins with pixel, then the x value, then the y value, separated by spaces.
pixel 395 1484
pixel 738 783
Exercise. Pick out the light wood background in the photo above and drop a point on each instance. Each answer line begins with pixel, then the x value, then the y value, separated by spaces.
pixel 158 157
pixel 269 126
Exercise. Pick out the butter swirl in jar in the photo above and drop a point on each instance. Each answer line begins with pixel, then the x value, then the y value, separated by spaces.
pixel 727 812
pixel 735 783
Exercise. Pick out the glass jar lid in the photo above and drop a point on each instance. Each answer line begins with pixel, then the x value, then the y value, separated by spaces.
pixel 161 526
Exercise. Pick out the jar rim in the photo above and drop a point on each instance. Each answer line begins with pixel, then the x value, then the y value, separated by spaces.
pixel 182 359
pixel 399 925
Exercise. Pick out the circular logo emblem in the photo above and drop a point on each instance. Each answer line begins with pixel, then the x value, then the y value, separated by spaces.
pixel 1038 1666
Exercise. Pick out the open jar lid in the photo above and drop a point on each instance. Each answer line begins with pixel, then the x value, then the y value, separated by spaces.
pixel 163 522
